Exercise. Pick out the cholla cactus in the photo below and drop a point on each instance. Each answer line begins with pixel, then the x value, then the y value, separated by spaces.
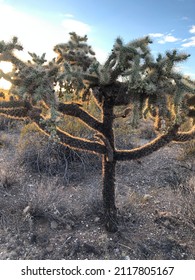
pixel 130 76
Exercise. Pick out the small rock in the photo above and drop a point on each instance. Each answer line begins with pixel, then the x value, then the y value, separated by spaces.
pixel 127 258
pixel 49 249
pixel 96 219
pixel 53 225
pixel 26 210
pixel 146 198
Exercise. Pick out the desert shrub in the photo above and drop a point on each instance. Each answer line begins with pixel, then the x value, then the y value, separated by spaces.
pixel 187 191
pixel 4 123
pixel 7 124
pixel 4 140
pixel 147 130
pixel 8 202
pixel 7 180
pixel 126 136
pixel 42 198
pixel 124 132
pixel 188 150
pixel 188 147
pixel 76 128
pixel 187 125
pixel 39 154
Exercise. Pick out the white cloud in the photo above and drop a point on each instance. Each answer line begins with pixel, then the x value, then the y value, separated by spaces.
pixel 156 35
pixel 79 27
pixel 191 43
pixel 36 34
pixel 192 29
pixel 164 38
pixel 168 39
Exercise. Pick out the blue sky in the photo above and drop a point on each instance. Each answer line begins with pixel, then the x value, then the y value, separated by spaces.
pixel 40 24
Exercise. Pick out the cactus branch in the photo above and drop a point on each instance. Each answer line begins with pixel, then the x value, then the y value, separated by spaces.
pixel 149 148
pixel 14 113
pixel 66 139
pixel 73 109
pixel 185 136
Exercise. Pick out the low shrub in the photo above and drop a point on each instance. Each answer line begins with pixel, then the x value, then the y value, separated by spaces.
pixel 188 150
pixel 39 154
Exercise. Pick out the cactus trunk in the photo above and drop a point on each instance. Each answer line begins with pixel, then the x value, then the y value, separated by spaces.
pixel 108 170
pixel 110 210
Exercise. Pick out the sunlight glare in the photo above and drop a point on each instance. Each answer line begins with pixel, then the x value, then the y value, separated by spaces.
pixel 6 67
pixel 4 84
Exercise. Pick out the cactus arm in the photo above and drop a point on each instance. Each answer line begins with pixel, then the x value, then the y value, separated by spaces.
pixel 147 149
pixel 73 109
pixel 5 76
pixel 34 113
pixel 9 57
pixel 185 136
pixel 71 141
pixel 80 143
pixel 15 109
pixel 156 144
pixel 191 113
pixel 19 113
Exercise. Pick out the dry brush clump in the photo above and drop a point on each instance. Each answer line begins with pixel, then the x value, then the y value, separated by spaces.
pixel 10 205
pixel 188 150
pixel 188 198
pixel 7 124
pixel 41 201
pixel 38 154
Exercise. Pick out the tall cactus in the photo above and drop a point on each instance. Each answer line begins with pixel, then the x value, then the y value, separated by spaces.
pixel 130 77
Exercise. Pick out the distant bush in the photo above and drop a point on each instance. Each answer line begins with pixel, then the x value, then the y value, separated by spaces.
pixel 187 125
pixel 188 150
pixel 7 124
pixel 4 140
pixel 147 130
pixel 188 199
pixel 7 180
